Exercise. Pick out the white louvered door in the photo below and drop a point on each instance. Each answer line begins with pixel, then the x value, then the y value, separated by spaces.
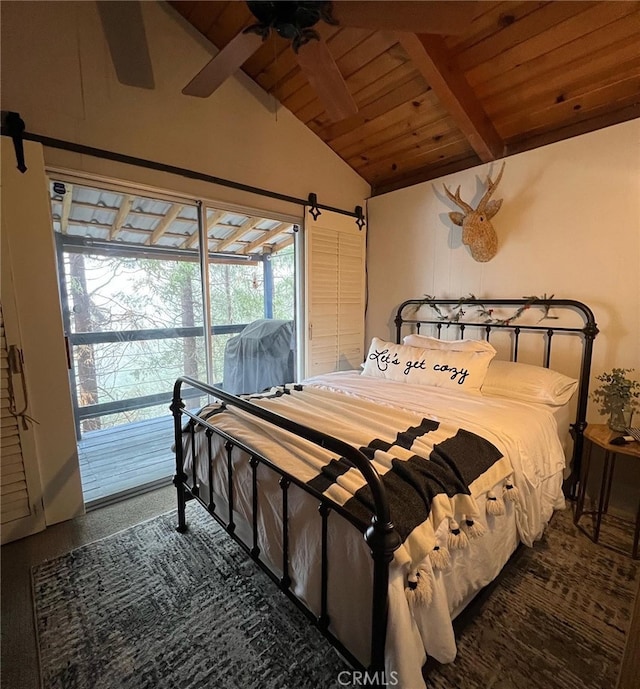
pixel 335 293
pixel 21 508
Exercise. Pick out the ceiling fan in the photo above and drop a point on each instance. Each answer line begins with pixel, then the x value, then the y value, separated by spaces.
pixel 295 21
pixel 123 28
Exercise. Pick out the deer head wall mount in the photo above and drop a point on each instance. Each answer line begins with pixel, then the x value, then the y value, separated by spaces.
pixel 477 231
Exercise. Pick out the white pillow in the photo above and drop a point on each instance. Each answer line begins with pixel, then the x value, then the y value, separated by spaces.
pixel 427 342
pixel 451 369
pixel 528 383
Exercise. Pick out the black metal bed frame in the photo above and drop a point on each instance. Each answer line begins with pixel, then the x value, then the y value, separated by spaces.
pixel 380 536
pixel 588 332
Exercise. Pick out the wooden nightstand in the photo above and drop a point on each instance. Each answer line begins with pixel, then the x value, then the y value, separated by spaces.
pixel 601 435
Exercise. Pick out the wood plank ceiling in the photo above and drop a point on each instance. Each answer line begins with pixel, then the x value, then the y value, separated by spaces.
pixel 522 75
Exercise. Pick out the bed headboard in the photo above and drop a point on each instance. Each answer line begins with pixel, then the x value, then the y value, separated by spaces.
pixel 480 316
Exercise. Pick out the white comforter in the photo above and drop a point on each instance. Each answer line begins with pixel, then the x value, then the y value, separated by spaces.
pixel 525 434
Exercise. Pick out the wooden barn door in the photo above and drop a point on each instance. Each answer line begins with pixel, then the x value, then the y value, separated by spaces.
pixel 21 509
pixel 335 293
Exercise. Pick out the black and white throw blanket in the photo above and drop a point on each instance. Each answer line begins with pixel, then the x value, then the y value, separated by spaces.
pixel 432 471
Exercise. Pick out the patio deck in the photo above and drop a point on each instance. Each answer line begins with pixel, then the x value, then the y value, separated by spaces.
pixel 122 460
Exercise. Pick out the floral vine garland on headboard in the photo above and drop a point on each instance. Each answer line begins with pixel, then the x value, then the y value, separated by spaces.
pixel 457 310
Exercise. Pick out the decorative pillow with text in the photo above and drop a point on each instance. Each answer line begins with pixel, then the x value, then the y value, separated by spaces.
pixel 456 370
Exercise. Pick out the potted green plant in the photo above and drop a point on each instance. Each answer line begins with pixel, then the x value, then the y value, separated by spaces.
pixel 618 396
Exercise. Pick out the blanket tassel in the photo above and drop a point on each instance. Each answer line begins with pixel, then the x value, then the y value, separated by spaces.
pixel 510 492
pixel 440 557
pixel 419 589
pixel 495 505
pixel 473 528
pixel 457 538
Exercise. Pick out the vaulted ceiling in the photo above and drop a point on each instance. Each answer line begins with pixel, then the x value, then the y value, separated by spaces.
pixel 518 75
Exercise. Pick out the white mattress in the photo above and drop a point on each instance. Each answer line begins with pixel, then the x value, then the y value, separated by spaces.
pixel 524 433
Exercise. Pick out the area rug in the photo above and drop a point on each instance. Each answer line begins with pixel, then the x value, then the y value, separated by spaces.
pixel 556 619
pixel 138 611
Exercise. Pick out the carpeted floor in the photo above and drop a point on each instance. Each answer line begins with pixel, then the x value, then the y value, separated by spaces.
pixel 556 619
pixel 136 610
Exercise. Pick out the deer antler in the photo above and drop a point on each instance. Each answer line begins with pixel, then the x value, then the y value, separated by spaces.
pixel 457 200
pixel 491 187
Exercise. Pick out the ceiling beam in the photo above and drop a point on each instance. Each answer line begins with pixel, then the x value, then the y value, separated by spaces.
pixel 66 208
pixel 444 16
pixel 121 216
pixel 435 62
pixel 164 224
pixel 246 226
pixel 266 237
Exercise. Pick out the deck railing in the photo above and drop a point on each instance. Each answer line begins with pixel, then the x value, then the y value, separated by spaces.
pixel 90 411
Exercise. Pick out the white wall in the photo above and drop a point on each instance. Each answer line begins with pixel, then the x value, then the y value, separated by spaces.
pixel 569 226
pixel 57 73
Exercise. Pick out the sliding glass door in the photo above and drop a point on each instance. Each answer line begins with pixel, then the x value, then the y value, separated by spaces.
pixel 142 305
pixel 251 276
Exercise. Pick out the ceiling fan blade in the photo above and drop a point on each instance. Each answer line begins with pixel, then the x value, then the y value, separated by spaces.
pixel 223 65
pixel 416 16
pixel 124 31
pixel 323 74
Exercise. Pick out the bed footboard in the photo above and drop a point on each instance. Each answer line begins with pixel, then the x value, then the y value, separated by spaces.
pixel 381 537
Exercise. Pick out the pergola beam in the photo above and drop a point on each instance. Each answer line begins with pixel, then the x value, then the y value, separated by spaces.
pixel 66 208
pixel 134 211
pixel 164 224
pixel 283 244
pixel 212 221
pixel 246 226
pixel 267 240
pixel 121 216
pixel 434 61
pixel 266 237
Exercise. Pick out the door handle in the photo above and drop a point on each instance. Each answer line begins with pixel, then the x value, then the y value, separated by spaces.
pixel 15 359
